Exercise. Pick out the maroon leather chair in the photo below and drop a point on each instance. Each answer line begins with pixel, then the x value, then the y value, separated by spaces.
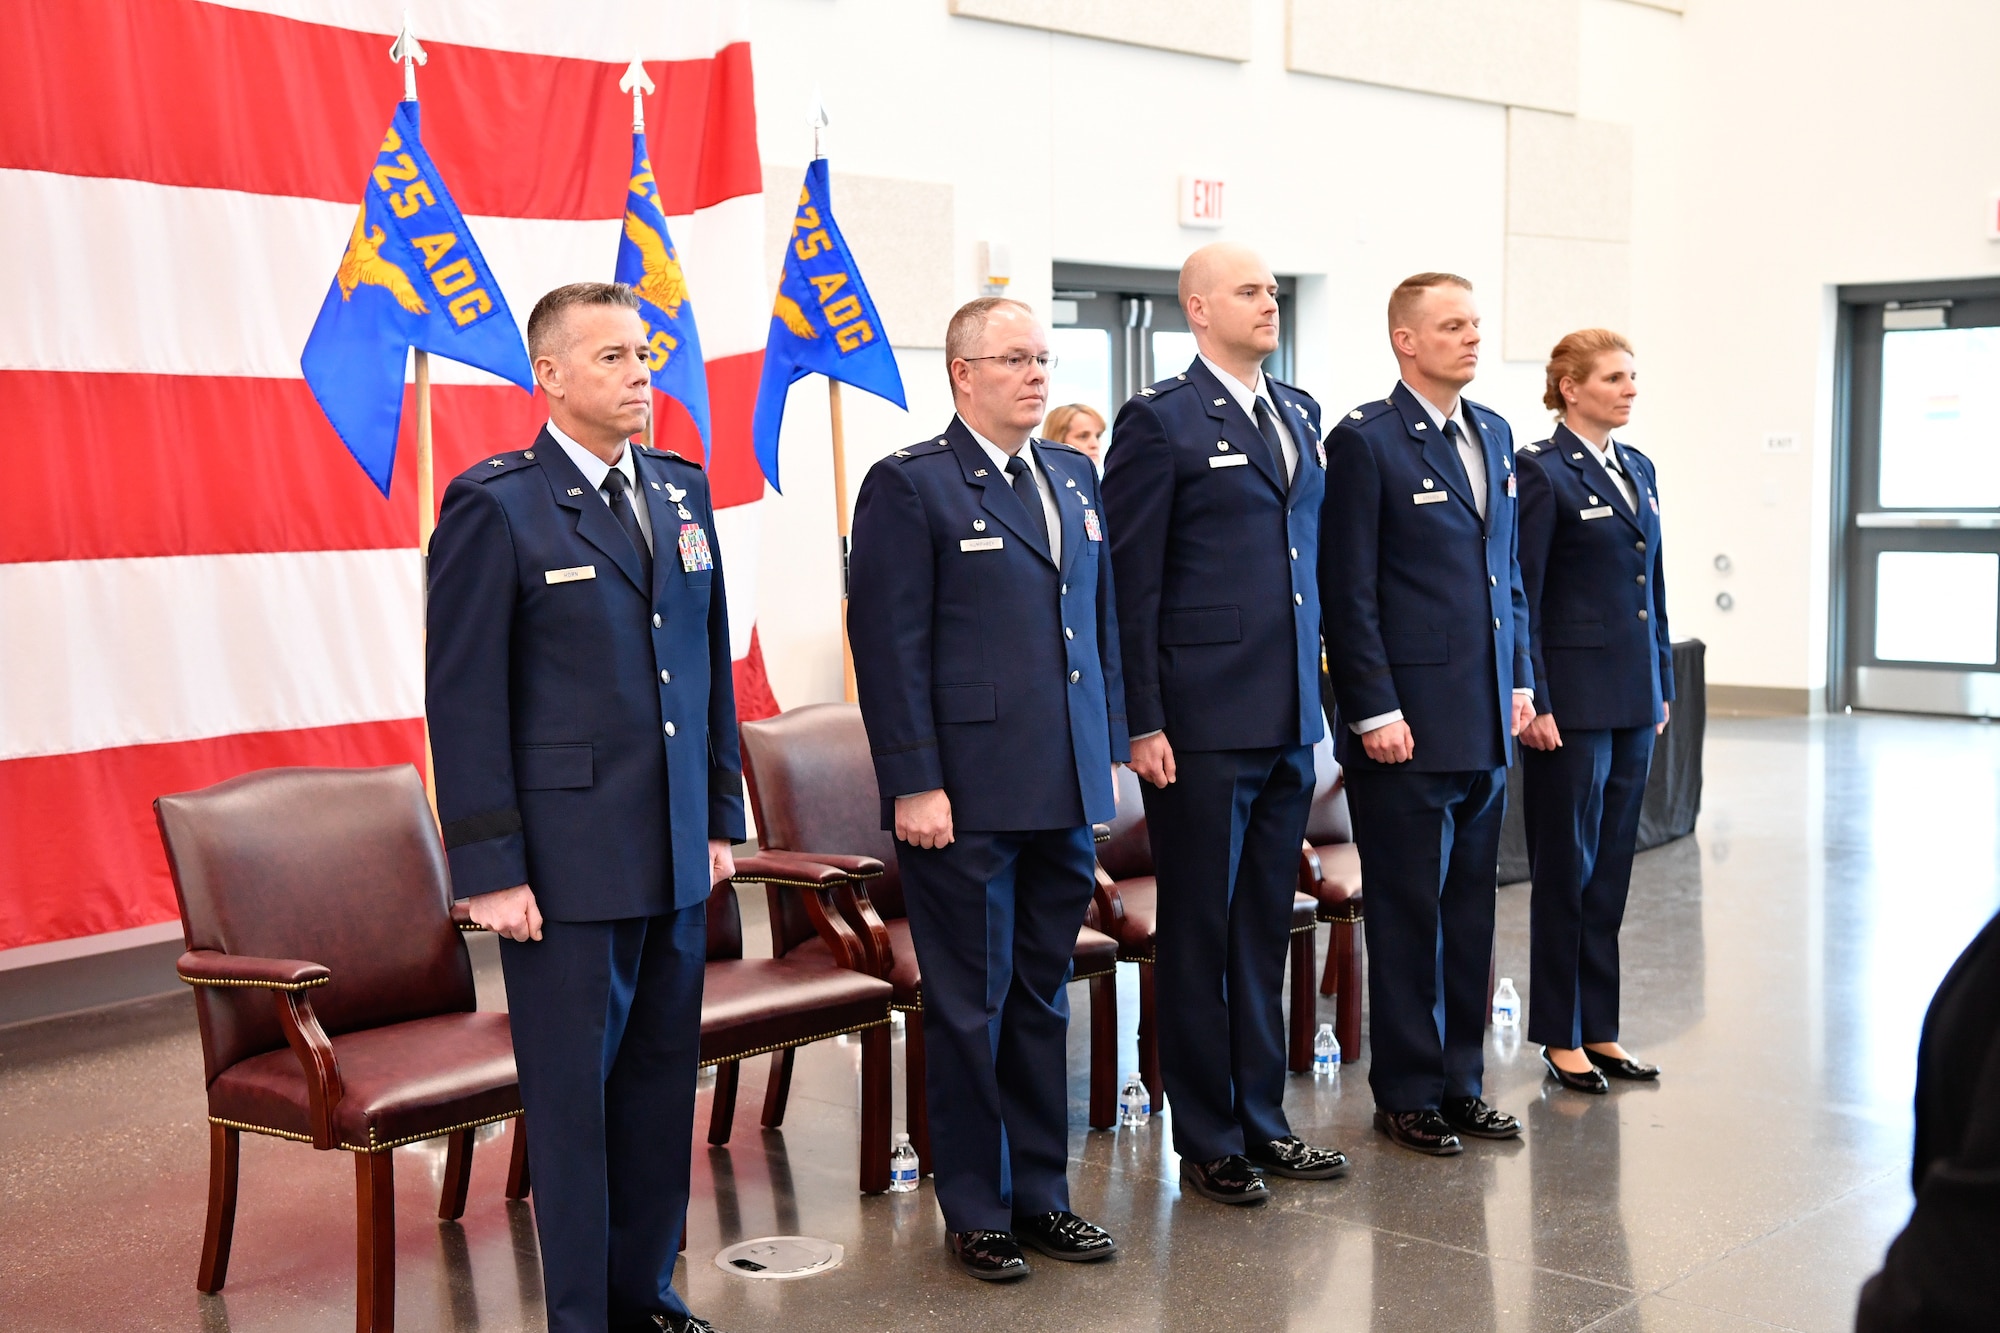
pixel 334 996
pixel 757 1006
pixel 1128 910
pixel 812 789
pixel 1330 871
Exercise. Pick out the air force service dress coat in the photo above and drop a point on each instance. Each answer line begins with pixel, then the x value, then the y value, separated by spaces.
pixel 960 621
pixel 1597 602
pixel 583 726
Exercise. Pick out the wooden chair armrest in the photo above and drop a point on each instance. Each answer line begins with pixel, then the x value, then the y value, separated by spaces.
pixel 1310 870
pixel 289 980
pixel 1110 904
pixel 461 916
pixel 803 869
pixel 845 877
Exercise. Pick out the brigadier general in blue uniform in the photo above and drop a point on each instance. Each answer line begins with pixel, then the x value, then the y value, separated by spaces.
pixel 1213 483
pixel 986 656
pixel 1427 648
pixel 583 725
pixel 1604 664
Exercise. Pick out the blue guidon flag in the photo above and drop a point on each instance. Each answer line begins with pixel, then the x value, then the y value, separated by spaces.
pixel 411 277
pixel 649 265
pixel 823 322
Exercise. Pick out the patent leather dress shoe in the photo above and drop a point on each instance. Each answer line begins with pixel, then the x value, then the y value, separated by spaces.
pixel 1419 1131
pixel 1065 1236
pixel 1226 1180
pixel 1589 1080
pixel 1292 1156
pixel 1475 1119
pixel 1614 1067
pixel 990 1256
pixel 683 1324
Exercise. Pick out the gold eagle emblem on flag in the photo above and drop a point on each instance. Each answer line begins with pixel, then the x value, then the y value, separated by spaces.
pixel 787 310
pixel 663 286
pixel 363 266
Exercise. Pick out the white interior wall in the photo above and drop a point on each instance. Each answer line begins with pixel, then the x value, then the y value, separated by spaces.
pixel 1779 147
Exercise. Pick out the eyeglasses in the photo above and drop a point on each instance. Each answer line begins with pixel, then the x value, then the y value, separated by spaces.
pixel 1016 362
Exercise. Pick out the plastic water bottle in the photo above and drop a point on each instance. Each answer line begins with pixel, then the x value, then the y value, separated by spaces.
pixel 902 1166
pixel 1135 1104
pixel 1326 1052
pixel 1506 1005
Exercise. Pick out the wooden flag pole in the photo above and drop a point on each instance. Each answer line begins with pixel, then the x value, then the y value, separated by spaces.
pixel 426 525
pixel 844 524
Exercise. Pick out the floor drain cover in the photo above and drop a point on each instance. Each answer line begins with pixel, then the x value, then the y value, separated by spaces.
pixel 780 1257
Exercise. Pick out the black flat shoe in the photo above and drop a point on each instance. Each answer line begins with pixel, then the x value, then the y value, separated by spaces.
pixel 1589 1080
pixel 1419 1131
pixel 1229 1180
pixel 1066 1236
pixel 1292 1156
pixel 1475 1119
pixel 990 1256
pixel 1628 1068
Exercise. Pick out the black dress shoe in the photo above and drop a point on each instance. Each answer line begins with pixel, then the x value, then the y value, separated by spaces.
pixel 683 1324
pixel 1474 1118
pixel 1420 1131
pixel 990 1256
pixel 1626 1068
pixel 1226 1180
pixel 1066 1236
pixel 1292 1156
pixel 1589 1080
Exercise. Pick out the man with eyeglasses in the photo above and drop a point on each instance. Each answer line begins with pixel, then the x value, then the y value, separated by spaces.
pixel 1214 490
pixel 986 655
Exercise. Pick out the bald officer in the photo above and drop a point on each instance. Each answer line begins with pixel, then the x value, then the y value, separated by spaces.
pixel 584 729
pixel 1427 647
pixel 1214 488
pixel 986 654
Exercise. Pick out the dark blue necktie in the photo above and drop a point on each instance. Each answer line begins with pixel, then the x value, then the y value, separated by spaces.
pixel 1268 428
pixel 1024 486
pixel 621 509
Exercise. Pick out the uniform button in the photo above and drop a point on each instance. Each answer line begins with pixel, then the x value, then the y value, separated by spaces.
pixel 1298 599
pixel 1065 590
pixel 656 620
pixel 1642 579
pixel 1295 553
pixel 1068 633
pixel 670 728
pixel 1639 546
pixel 1642 615
pixel 1496 622
pixel 666 678
pixel 1075 676
pixel 1493 580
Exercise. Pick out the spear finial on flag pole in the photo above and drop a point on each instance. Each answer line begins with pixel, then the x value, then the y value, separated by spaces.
pixel 638 83
pixel 411 53
pixel 819 120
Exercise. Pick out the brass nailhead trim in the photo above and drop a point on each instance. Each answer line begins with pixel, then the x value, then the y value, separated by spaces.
pixel 258 985
pixel 373 1146
pixel 807 1041
pixel 1339 915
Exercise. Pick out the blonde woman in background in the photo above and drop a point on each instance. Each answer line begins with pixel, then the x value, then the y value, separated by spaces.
pixel 1080 428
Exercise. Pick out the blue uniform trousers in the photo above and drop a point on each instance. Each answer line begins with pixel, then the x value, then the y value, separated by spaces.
pixel 1226 835
pixel 994 917
pixel 1430 847
pixel 1583 804
pixel 607 1029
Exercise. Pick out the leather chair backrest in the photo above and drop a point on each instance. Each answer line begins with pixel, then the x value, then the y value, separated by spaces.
pixel 725 923
pixel 812 789
pixel 1328 821
pixel 1129 854
pixel 337 866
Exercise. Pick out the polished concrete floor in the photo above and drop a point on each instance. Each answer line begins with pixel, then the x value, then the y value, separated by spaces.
pixel 1777 965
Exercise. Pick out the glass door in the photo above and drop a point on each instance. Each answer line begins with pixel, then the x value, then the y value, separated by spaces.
pixel 1922 541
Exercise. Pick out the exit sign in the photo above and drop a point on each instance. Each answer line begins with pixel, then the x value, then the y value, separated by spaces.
pixel 1201 201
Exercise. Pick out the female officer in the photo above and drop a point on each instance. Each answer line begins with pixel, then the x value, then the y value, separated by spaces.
pixel 1597 615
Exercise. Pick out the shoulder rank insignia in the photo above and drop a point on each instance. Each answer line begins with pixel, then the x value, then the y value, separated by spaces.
pixel 496 462
pixel 1146 393
pixel 902 453
pixel 1355 415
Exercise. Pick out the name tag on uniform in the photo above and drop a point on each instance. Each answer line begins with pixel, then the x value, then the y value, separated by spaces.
pixel 1602 511
pixel 695 554
pixel 1510 484
pixel 1091 527
pixel 1230 460
pixel 1430 497
pixel 571 575
pixel 982 544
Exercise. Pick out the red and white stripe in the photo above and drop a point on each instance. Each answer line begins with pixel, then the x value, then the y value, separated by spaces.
pixel 195 578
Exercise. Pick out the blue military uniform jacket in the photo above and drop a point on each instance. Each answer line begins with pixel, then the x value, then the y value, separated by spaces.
pixel 1425 610
pixel 982 667
pixel 1218 611
pixel 583 727
pixel 1597 606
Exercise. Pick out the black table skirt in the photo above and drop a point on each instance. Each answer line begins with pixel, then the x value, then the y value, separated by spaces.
pixel 1673 787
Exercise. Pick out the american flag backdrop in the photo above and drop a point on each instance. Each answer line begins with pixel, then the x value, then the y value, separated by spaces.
pixel 195 578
